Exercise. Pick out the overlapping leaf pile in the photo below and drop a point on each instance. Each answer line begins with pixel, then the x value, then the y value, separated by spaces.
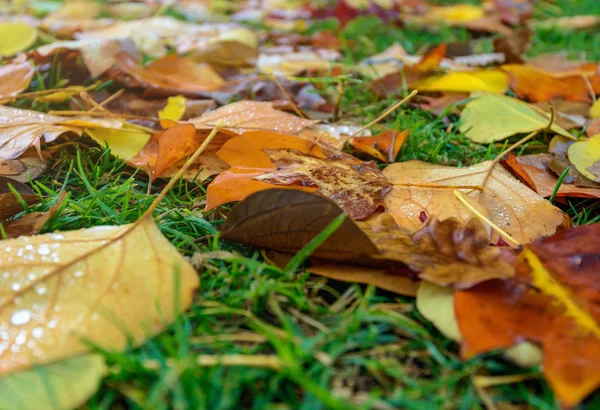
pixel 505 256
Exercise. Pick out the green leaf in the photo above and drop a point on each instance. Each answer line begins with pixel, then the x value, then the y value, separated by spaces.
pixel 57 386
pixel 491 117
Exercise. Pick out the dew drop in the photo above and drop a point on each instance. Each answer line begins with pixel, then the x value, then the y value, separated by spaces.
pixel 20 317
pixel 37 332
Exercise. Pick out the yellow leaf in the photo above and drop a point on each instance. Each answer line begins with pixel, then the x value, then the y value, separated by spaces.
pixel 595 110
pixel 124 143
pixel 174 109
pixel 106 286
pixel 457 13
pixel 585 155
pixel 62 95
pixel 16 37
pixel 62 385
pixel 493 81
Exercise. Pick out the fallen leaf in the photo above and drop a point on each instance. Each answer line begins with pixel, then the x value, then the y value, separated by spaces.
pixel 33 223
pixel 264 160
pixel 9 203
pixel 23 129
pixel 593 128
pixel 552 301
pixel 169 75
pixel 438 105
pixel 62 385
pixel 421 187
pixel 559 147
pixel 585 156
pixel 174 110
pixel 568 22
pixel 535 84
pixel 14 78
pixel 513 12
pixel 493 81
pixel 66 289
pixel 595 110
pixel 568 114
pixel 98 55
pixel 16 37
pixel 384 146
pixel 514 46
pixel 124 143
pixel 244 116
pixel 490 117
pixel 27 168
pixel 534 171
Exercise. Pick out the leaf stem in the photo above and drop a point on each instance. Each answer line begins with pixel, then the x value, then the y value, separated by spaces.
pixel 385 113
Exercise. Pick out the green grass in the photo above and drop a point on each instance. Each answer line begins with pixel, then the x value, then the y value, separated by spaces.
pixel 336 345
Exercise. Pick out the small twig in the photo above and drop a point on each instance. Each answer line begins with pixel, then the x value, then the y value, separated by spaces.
pixel 296 109
pixel 495 227
pixel 385 113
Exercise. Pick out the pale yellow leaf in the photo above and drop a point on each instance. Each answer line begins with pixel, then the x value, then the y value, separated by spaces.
pixel 108 285
pixel 174 109
pixel 494 81
pixel 16 37
pixel 595 110
pixel 124 143
pixel 585 155
pixel 63 385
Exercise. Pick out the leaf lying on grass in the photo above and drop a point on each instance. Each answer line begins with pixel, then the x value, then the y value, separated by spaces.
pixel 443 252
pixel 384 146
pixel 490 117
pixel 63 385
pixel 552 301
pixel 108 286
pixel 419 187
pixel 585 155
pixel 9 203
pixel 33 223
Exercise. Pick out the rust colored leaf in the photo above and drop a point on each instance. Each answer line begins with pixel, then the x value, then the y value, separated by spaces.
pixel 14 78
pixel 169 75
pixel 444 252
pixel 534 171
pixel 263 160
pixel 384 146
pixel 33 223
pixel 514 46
pixel 422 187
pixel 552 301
pixel 9 204
pixel 535 84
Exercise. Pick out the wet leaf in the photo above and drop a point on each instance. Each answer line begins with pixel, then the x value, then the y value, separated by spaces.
pixel 62 385
pixel 552 301
pixel 264 160
pixel 489 117
pixel 16 36
pixel 443 252
pixel 9 203
pixel 421 187
pixel 66 289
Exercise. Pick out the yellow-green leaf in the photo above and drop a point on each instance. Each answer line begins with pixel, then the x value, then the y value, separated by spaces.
pixel 16 37
pixel 124 143
pixel 491 117
pixel 494 81
pixel 595 110
pixel 174 109
pixel 585 155
pixel 62 385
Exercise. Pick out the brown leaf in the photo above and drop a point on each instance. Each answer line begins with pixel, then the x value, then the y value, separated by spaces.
pixel 9 205
pixel 109 286
pixel 169 75
pixel 260 159
pixel 33 223
pixel 514 46
pixel 14 78
pixel 28 167
pixel 552 301
pixel 422 187
pixel 384 146
pixel 286 220
pixel 534 171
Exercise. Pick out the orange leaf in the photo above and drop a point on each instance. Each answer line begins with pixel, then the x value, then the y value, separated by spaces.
pixel 277 159
pixel 552 301
pixel 169 75
pixel 384 146
pixel 430 61
pixel 15 78
pixel 536 84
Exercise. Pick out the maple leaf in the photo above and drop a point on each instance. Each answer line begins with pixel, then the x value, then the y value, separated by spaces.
pixel 421 187
pixel 552 301
pixel 23 129
pixel 66 289
pixel 169 75
pixel 444 252
pixel 261 159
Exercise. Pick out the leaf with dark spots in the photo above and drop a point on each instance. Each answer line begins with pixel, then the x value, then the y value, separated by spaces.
pixel 445 253
pixel 552 301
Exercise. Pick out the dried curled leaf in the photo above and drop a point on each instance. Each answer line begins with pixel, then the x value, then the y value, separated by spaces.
pixel 107 285
pixel 286 220
pixel 33 223
pixel 9 203
pixel 552 301
pixel 263 160
pixel 423 187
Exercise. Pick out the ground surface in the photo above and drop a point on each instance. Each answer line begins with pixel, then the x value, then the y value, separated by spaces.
pixel 338 345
